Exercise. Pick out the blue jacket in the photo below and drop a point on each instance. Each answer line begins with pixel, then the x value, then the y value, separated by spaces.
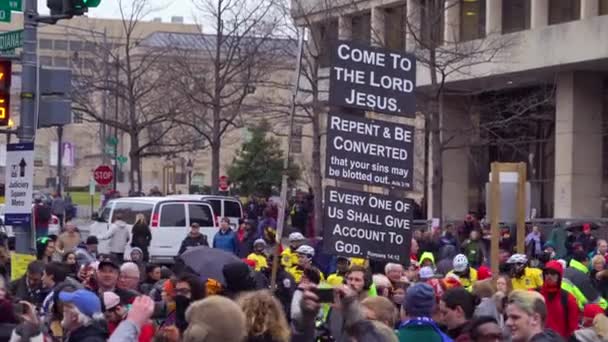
pixel 225 241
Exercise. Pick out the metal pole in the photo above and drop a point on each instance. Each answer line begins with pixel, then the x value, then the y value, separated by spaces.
pixel 114 162
pixel 104 104
pixel 283 201
pixel 27 125
pixel 28 121
pixel 59 158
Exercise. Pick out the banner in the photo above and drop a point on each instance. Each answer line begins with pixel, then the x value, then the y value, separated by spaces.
pixel 367 225
pixel 370 152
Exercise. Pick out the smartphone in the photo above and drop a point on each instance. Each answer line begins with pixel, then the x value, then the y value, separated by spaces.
pixel 325 295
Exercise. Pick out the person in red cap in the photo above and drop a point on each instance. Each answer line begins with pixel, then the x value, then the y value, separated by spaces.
pixel 561 304
pixel 591 310
pixel 483 272
pixel 588 241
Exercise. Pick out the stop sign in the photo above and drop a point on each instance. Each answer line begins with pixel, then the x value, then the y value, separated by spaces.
pixel 223 183
pixel 103 175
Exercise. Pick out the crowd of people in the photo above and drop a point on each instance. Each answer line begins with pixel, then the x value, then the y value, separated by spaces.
pixel 555 291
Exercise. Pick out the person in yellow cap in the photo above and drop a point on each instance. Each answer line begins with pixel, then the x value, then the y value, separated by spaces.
pixel 289 257
pixel 337 279
pixel 258 254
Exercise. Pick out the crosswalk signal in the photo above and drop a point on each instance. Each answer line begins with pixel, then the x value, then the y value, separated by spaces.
pixel 5 92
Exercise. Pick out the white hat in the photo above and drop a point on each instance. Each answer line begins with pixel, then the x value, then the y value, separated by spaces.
pixel 259 242
pixel 296 237
pixel 110 300
pixel 426 273
pixel 306 250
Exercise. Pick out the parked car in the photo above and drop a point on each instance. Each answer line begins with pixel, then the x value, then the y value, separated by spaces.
pixel 169 220
pixel 223 206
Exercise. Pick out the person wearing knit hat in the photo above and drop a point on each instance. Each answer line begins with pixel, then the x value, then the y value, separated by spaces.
pixel 213 319
pixel 419 307
pixel 258 255
pixel 589 313
pixel 483 272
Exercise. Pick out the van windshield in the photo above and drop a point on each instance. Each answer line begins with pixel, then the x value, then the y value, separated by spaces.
pixel 130 210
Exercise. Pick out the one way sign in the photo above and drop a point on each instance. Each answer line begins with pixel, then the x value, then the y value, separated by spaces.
pixel 19 183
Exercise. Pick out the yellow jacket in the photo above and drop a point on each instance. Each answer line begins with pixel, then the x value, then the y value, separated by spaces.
pixel 467 283
pixel 260 261
pixel 288 258
pixel 532 279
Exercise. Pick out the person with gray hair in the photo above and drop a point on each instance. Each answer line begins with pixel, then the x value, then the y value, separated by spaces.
pixel 129 277
pixel 393 272
pixel 82 317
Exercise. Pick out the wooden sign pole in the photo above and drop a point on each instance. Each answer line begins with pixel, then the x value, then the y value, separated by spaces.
pixel 495 219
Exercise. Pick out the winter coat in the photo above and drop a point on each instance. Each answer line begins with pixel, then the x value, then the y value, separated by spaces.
pixel 579 285
pixel 547 336
pixel 487 307
pixel 19 289
pixel 118 234
pixel 461 333
pixel 557 320
pixel 427 332
pixel 96 331
pixel 226 241
pixel 193 241
pixel 597 333
pixel 6 330
pixel 83 256
pixel 141 235
pixel 474 252
pixel 245 246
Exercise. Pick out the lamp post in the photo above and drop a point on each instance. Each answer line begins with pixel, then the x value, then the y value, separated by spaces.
pixel 189 168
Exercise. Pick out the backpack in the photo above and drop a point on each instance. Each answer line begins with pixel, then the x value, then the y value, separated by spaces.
pixel 44 213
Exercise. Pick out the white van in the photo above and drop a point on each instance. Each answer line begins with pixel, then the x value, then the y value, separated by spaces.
pixel 169 220
pixel 223 206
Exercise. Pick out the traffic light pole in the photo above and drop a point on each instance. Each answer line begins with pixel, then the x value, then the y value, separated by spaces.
pixel 28 119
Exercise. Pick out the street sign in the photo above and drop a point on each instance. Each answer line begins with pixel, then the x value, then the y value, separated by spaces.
pixel 91 187
pixel 121 159
pixel 11 39
pixel 370 152
pixel 12 5
pixel 5 15
pixel 112 141
pixel 223 186
pixel 366 225
pixel 19 184
pixel 103 175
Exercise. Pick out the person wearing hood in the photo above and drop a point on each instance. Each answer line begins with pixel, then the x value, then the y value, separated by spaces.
pixel 188 289
pixel 427 259
pixel 194 239
pixel 526 317
pixel 561 304
pixel 578 283
pixel 82 317
pixel 137 257
pixel 596 331
pixel 118 234
pixel 246 236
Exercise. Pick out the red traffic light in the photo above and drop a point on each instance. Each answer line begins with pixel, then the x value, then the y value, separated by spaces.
pixel 5 92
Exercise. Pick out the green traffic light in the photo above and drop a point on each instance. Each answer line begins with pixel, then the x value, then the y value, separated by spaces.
pixel 91 3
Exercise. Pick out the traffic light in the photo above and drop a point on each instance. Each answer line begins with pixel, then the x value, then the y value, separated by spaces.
pixel 5 92
pixel 70 7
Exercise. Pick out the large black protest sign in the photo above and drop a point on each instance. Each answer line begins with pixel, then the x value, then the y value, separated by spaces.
pixel 371 152
pixel 367 225
pixel 372 79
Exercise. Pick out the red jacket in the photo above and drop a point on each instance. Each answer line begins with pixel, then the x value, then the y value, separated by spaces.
pixel 556 319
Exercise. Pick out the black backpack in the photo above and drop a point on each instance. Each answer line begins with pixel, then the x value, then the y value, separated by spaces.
pixel 44 212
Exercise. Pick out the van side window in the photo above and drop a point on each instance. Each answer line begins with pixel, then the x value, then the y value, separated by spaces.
pixel 173 215
pixel 200 214
pixel 232 209
pixel 217 206
pixel 105 214
pixel 130 210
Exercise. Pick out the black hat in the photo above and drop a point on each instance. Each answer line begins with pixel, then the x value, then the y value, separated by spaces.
pixel 92 240
pixel 108 261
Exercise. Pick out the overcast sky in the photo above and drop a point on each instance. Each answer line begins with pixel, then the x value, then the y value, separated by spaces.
pixel 110 9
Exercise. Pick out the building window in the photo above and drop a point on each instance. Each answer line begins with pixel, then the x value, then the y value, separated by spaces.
pixel 61 62
pixel 394 32
pixel 515 15
pixel 90 46
pixel 472 19
pixel 432 24
pixel 46 60
pixel 561 11
pixel 296 139
pixel 75 45
pixel 327 37
pixel 61 45
pixel 46 44
pixel 362 28
pixel 603 7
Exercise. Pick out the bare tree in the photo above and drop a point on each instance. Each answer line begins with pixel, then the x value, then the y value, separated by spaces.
pixel 219 73
pixel 131 82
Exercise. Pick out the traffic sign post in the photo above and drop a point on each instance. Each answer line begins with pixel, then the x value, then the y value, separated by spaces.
pixel 18 195
pixel 103 175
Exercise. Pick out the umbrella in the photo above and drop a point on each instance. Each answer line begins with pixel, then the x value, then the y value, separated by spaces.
pixel 578 226
pixel 208 262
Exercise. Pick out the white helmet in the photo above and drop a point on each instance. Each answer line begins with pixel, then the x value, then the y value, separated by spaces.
pixel 517 259
pixel 306 250
pixel 259 242
pixel 296 237
pixel 460 263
